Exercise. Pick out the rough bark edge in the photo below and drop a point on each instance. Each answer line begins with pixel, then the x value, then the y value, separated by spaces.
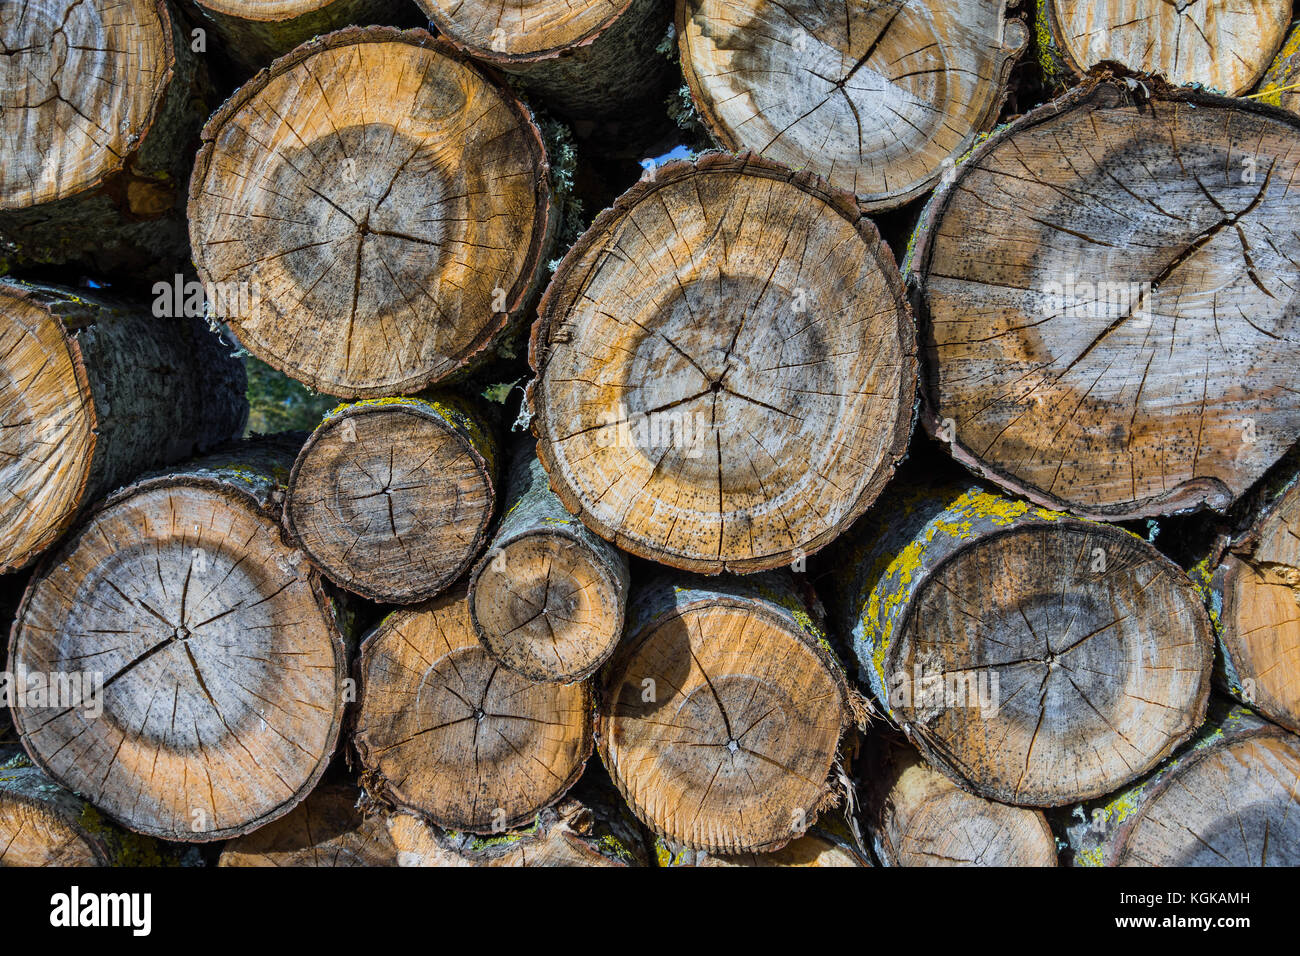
pixel 1126 807
pixel 446 29
pixel 762 597
pixel 838 201
pixel 611 562
pixel 119 163
pixel 1059 65
pixel 243 491
pixel 1194 495
pixel 997 517
pixel 454 421
pixel 36 297
pixel 703 116
pixel 545 224
pixel 379 790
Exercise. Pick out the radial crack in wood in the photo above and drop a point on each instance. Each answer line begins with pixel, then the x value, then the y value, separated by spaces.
pixel 1108 294
pixel 392 498
pixel 725 367
pixel 387 203
pixel 879 98
pixel 445 731
pixel 721 713
pixel 219 664
pixel 1035 658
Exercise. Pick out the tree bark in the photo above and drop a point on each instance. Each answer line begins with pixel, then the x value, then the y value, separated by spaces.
pixel 721 714
pixel 99 104
pixel 446 732
pixel 591 62
pixel 547 598
pixel 725 367
pixel 880 100
pixel 382 185
pixel 1219 44
pixel 220 658
pixel 92 392
pixel 919 817
pixel 1109 322
pixel 41 824
pixel 255 33
pixel 392 498
pixel 1035 658
pixel 1281 84
pixel 1251 584
pixel 1227 799
pixel 326 829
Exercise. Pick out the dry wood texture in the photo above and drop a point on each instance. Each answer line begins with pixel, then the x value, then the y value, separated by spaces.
pixel 1251 584
pixel 447 732
pixel 220 661
pixel 92 391
pixel 1223 44
pixel 725 367
pixel 919 817
pixel 1232 798
pixel 586 59
pixel 1035 658
pixel 98 103
pixel 255 32
pixel 41 824
pixel 326 829
pixel 721 713
pixel 392 498
pixel 1107 289
pixel 878 97
pixel 547 599
pixel 389 205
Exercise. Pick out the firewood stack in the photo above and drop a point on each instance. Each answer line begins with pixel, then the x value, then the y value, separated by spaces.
pixel 898 465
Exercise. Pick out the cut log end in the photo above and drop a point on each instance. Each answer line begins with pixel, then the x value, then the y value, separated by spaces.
pixel 919 817
pixel 1229 799
pixel 1219 44
pixel 49 437
pixel 218 664
pixel 447 732
pixel 851 94
pixel 705 411
pixel 412 221
pixel 720 722
pixel 81 84
pixel 505 32
pixel 546 609
pixel 326 829
pixel 1109 315
pixel 1079 614
pixel 397 477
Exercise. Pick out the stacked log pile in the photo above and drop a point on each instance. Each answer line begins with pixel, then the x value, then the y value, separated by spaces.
pixel 898 466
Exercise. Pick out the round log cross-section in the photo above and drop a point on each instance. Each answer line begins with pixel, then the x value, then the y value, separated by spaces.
pixel 1111 317
pixel 726 367
pixel 879 98
pixel 390 228
pixel 211 667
